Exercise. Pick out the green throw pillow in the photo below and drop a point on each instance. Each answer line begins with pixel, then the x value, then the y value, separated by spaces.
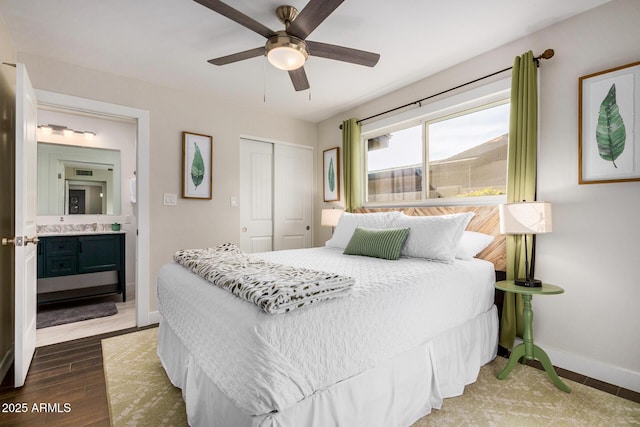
pixel 379 243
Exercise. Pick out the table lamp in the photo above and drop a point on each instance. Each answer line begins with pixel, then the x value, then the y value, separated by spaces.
pixel 330 217
pixel 526 218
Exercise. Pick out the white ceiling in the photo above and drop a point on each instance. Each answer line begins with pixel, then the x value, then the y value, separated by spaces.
pixel 169 41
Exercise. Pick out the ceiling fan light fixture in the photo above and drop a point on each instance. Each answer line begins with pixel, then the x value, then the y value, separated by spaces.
pixel 286 52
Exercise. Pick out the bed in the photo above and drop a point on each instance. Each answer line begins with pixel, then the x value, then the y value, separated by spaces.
pixel 410 333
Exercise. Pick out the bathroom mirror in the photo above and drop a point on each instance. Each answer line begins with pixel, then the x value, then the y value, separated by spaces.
pixel 74 180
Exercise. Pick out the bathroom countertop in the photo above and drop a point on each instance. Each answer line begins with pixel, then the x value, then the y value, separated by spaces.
pixel 77 233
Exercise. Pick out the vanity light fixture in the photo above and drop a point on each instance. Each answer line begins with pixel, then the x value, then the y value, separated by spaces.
pixel 63 130
pixel 46 129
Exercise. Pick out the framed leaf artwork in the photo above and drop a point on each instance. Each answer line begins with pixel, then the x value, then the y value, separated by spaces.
pixel 331 168
pixel 197 156
pixel 608 125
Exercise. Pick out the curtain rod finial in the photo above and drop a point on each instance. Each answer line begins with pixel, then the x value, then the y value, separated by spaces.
pixel 547 54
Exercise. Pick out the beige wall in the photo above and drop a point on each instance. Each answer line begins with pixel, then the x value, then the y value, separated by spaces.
pixel 192 223
pixel 593 252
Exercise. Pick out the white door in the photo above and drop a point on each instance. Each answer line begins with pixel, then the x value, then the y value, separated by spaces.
pixel 276 196
pixel 256 196
pixel 293 199
pixel 26 258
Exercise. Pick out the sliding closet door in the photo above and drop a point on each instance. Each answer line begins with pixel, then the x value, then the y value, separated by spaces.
pixel 256 196
pixel 276 196
pixel 293 183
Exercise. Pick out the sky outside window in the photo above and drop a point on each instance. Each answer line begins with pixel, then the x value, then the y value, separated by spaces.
pixel 405 148
pixel 452 136
pixel 446 138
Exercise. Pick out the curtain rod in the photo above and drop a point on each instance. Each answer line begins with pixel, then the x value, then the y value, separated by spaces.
pixel 547 54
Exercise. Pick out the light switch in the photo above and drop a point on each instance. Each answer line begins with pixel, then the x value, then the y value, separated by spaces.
pixel 170 199
pixel 234 201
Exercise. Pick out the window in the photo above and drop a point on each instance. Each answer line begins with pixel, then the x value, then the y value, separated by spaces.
pixel 468 153
pixel 394 166
pixel 454 155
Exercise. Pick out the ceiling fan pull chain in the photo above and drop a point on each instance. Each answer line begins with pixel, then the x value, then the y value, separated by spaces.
pixel 309 86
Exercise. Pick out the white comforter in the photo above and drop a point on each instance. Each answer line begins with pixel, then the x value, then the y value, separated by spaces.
pixel 265 362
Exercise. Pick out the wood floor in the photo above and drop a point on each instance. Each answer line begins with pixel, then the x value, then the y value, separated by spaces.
pixel 72 373
pixel 68 373
pixel 67 369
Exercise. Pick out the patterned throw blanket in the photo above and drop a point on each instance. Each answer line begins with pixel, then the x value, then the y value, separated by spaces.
pixel 275 288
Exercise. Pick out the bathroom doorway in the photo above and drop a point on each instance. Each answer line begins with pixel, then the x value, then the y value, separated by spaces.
pixel 134 180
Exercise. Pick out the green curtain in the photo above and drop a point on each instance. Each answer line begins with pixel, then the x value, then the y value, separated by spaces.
pixel 352 162
pixel 521 181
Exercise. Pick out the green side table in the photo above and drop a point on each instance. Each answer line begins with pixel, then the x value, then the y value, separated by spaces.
pixel 528 349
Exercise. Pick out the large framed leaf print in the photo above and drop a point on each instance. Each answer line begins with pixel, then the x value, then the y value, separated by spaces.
pixel 609 125
pixel 197 155
pixel 330 166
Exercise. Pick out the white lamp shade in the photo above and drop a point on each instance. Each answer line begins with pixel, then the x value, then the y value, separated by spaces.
pixel 330 217
pixel 525 218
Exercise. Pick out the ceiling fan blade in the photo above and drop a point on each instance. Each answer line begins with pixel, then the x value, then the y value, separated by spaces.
pixel 299 79
pixel 239 17
pixel 311 16
pixel 345 54
pixel 240 56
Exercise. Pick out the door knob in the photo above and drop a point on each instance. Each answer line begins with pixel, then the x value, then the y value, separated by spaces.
pixel 308 228
pixel 244 229
pixel 7 241
pixel 19 241
pixel 33 240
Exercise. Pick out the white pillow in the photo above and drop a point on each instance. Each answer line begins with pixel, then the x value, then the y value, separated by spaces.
pixel 472 243
pixel 433 237
pixel 349 221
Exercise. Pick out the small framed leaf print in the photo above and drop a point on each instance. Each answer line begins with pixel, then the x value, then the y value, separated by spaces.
pixel 609 125
pixel 197 155
pixel 331 168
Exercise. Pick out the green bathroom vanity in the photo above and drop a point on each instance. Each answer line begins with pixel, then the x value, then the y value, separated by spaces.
pixel 72 266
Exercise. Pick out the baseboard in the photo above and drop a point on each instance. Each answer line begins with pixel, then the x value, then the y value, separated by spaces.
pixel 130 289
pixel 595 369
pixel 5 365
pixel 154 317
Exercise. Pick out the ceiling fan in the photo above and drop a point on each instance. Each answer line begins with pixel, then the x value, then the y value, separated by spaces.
pixel 288 49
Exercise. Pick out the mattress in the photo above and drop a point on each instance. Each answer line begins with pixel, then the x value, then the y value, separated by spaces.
pixel 265 363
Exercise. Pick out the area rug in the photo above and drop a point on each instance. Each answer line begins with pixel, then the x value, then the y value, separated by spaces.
pixel 140 394
pixel 59 315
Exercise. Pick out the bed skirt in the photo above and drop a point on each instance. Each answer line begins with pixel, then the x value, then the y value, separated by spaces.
pixel 397 392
